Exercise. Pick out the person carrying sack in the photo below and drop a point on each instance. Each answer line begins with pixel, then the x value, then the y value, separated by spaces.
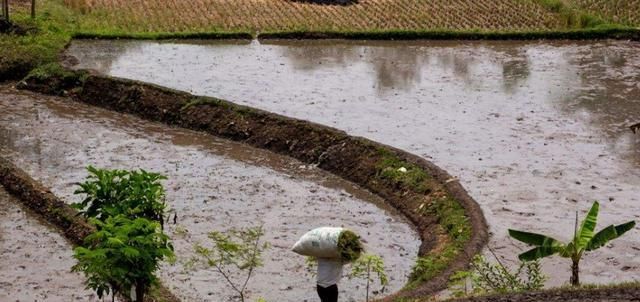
pixel 329 274
pixel 332 247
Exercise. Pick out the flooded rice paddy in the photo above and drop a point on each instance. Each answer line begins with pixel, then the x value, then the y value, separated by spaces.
pixel 35 260
pixel 534 130
pixel 213 185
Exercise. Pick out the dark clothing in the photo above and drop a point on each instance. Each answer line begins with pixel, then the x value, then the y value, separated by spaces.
pixel 328 294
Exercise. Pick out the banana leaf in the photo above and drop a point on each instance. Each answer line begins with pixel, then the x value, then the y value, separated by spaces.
pixel 609 233
pixel 586 232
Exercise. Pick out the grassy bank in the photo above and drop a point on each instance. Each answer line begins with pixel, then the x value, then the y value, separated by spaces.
pixel 49 33
pixel 601 32
pixel 625 12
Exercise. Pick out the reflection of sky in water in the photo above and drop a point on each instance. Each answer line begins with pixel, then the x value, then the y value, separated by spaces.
pixel 599 85
pixel 529 127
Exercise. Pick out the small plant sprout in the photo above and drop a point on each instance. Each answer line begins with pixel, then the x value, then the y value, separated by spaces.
pixel 366 267
pixel 584 240
pixel 233 252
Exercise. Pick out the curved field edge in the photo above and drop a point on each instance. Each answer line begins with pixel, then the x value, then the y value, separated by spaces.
pixel 45 204
pixel 619 293
pixel 449 222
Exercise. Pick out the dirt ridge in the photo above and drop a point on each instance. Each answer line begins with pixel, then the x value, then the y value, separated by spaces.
pixel 349 157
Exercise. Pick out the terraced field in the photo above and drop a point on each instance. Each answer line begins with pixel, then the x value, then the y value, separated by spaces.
pixel 271 15
pixel 618 11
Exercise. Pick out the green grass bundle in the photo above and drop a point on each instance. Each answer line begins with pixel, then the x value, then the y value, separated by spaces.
pixel 349 246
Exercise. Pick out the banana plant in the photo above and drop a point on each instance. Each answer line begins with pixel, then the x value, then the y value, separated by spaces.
pixel 584 240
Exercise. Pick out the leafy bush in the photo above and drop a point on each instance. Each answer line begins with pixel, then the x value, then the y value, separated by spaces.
pixel 237 250
pixel 123 254
pixel 131 193
pixel 486 277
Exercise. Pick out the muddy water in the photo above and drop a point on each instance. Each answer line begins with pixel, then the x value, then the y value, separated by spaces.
pixel 534 130
pixel 213 185
pixel 35 261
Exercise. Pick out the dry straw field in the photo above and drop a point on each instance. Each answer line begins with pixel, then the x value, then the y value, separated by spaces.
pixel 279 15
pixel 626 12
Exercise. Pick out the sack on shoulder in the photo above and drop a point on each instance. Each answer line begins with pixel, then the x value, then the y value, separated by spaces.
pixel 320 242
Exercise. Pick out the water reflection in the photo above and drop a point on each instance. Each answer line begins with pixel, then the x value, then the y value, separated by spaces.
pixel 608 88
pixel 515 69
pixel 311 57
pixel 102 58
pixel 400 65
pixel 609 94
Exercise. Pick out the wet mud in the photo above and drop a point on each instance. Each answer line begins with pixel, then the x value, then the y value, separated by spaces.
pixel 213 185
pixel 35 260
pixel 534 130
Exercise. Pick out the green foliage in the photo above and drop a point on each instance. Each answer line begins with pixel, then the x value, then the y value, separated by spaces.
pixel 430 265
pixel 114 192
pixel 54 79
pixel 574 17
pixel 487 278
pixel 602 31
pixel 121 254
pixel 349 246
pixel 234 251
pixel 365 267
pixel 451 217
pixel 51 32
pixel 46 71
pixel 208 35
pixel 390 167
pixel 585 239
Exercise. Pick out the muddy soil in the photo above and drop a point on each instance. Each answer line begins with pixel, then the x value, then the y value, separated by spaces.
pixel 213 185
pixel 35 261
pixel 534 130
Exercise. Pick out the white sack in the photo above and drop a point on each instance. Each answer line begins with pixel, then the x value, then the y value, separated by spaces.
pixel 321 242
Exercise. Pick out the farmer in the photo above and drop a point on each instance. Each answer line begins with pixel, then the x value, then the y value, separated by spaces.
pixel 329 274
pixel 332 248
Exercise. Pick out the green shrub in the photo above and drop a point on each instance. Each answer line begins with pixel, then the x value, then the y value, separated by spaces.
pixel 123 254
pixel 487 278
pixel 131 193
